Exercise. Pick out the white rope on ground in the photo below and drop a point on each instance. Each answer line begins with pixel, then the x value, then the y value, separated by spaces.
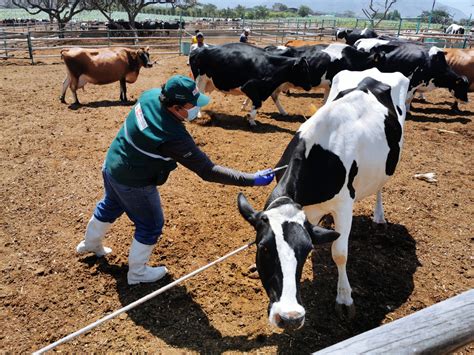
pixel 139 301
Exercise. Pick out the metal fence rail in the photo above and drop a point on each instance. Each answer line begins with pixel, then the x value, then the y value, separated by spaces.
pixel 47 44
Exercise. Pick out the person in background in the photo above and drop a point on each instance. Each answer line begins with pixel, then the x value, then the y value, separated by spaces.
pixel 148 146
pixel 244 37
pixel 194 39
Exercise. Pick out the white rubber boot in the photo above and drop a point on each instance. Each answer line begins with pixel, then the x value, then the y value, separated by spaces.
pixel 138 271
pixel 95 233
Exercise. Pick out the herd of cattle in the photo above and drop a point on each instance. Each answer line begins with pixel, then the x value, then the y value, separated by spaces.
pixel 345 152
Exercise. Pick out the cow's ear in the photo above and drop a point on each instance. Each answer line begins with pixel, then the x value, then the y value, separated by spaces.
pixel 246 210
pixel 321 235
pixel 147 49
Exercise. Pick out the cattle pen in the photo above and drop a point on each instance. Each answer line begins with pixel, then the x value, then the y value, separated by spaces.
pixel 409 279
pixel 38 43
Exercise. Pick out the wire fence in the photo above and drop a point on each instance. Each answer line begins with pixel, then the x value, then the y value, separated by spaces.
pixel 41 42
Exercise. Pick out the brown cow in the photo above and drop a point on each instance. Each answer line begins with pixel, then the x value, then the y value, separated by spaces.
pixel 102 66
pixel 300 43
pixel 462 63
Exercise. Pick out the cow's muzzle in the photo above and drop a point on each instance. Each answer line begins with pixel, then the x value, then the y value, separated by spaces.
pixel 291 321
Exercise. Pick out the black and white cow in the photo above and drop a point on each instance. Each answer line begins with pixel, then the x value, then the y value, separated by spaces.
pixel 239 68
pixel 426 68
pixel 325 61
pixel 351 36
pixel 455 29
pixel 345 152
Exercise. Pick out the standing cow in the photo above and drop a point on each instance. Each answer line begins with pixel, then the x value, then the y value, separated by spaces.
pixel 102 66
pixel 455 29
pixel 351 36
pixel 325 61
pixel 345 152
pixel 239 68
pixel 462 63
pixel 426 68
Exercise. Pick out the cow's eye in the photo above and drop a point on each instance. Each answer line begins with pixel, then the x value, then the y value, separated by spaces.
pixel 264 218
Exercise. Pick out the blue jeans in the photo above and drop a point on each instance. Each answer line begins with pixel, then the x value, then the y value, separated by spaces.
pixel 141 204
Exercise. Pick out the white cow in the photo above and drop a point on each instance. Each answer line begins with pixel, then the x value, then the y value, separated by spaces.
pixel 345 152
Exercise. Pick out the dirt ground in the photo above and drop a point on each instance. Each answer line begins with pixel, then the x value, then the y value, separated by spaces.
pixel 51 155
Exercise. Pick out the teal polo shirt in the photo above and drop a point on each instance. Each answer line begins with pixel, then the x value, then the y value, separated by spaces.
pixel 132 158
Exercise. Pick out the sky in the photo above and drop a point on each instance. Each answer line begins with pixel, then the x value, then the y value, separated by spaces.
pixel 466 6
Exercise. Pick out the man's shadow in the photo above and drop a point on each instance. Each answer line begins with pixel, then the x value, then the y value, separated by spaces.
pixel 380 269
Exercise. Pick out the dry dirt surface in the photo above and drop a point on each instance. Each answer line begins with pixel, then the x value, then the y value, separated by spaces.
pixel 51 155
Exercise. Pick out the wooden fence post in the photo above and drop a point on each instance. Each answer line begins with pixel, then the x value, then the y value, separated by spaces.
pixel 439 329
pixel 5 43
pixel 30 47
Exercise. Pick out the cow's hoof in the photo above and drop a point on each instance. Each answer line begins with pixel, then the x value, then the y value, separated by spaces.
pixel 345 312
pixel 62 99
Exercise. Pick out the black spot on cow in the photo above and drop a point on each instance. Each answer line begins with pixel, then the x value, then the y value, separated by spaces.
pixel 399 110
pixel 352 175
pixel 313 179
pixel 268 263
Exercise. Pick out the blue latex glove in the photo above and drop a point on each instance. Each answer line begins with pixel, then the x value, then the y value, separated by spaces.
pixel 263 177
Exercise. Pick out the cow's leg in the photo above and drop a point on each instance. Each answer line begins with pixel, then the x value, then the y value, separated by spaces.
pixel 378 212
pixel 123 90
pixel 245 104
pixel 339 248
pixel 251 116
pixel 201 84
pixel 74 85
pixel 455 107
pixel 276 100
pixel 66 83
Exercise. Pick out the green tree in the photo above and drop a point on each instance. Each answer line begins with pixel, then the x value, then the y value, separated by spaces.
pixel 209 9
pixel 437 16
pixel 261 12
pixel 304 11
pixel 239 11
pixel 278 6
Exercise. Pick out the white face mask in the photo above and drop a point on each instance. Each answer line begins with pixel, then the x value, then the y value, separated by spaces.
pixel 193 112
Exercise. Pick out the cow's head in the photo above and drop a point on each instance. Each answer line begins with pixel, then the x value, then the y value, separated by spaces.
pixel 445 77
pixel 342 33
pixel 284 240
pixel 300 74
pixel 144 55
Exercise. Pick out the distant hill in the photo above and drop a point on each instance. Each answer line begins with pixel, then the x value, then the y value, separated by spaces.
pixel 408 8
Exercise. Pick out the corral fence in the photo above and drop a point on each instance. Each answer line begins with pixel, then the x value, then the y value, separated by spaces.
pixel 439 329
pixel 38 43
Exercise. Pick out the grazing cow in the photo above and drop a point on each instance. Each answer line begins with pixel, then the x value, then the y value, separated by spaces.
pixel 239 68
pixel 325 61
pixel 425 67
pixel 102 66
pixel 462 63
pixel 343 153
pixel 351 36
pixel 454 29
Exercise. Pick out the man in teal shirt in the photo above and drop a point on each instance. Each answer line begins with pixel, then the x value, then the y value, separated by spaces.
pixel 148 145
